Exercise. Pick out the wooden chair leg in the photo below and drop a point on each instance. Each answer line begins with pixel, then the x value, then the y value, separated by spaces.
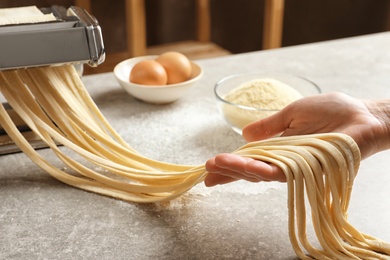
pixel 273 24
pixel 203 20
pixel 135 27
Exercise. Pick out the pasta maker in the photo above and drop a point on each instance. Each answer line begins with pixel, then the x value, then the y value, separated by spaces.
pixel 74 37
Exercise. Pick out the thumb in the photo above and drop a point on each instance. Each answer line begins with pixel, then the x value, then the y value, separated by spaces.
pixel 267 127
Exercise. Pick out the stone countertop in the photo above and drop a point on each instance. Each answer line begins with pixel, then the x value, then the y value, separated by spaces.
pixel 42 218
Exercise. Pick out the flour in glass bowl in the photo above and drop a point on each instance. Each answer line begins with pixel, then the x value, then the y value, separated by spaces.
pixel 262 97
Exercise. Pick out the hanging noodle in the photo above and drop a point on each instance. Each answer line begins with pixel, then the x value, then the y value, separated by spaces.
pixel 320 168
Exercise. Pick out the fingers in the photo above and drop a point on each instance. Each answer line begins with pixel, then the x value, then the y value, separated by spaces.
pixel 213 179
pixel 265 171
pixel 233 166
pixel 267 127
pixel 226 168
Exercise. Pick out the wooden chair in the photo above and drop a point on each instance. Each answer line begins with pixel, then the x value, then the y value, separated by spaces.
pixel 201 48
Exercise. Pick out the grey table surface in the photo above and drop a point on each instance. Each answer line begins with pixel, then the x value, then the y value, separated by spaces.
pixel 42 218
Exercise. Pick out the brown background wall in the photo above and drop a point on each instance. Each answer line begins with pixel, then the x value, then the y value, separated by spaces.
pixel 237 24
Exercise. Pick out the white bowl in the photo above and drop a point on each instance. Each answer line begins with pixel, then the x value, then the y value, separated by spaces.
pixel 154 94
pixel 238 115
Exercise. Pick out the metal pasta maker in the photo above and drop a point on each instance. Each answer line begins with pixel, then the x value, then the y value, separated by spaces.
pixel 73 37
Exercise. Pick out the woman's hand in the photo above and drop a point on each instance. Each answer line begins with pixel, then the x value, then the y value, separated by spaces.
pixel 226 167
pixel 367 122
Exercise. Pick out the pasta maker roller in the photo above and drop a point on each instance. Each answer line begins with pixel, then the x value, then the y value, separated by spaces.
pixel 73 37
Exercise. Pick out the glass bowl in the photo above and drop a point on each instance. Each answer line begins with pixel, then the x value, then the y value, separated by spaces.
pixel 238 115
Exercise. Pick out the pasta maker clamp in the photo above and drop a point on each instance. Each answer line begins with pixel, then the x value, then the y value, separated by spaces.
pixel 73 37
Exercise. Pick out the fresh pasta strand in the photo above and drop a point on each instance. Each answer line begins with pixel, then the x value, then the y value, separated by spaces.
pixel 320 169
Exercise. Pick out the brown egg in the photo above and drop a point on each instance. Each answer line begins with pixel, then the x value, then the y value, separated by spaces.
pixel 177 66
pixel 148 72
